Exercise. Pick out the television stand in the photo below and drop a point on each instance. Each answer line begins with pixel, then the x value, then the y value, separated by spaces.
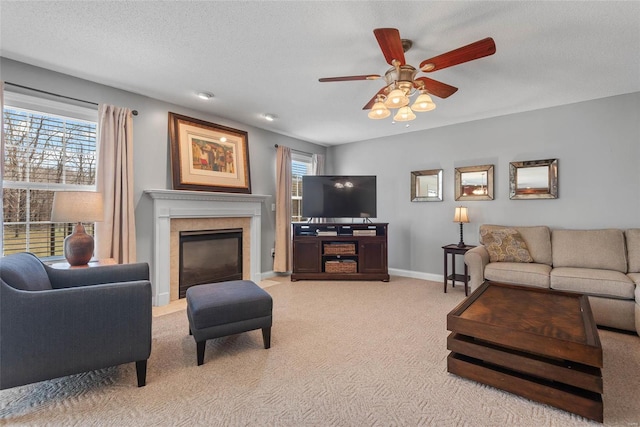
pixel 340 251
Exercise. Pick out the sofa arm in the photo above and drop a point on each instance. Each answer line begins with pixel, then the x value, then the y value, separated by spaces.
pixel 97 275
pixel 476 260
pixel 53 333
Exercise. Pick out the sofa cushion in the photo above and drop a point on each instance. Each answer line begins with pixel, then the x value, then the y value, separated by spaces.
pixel 506 245
pixel 24 271
pixel 537 238
pixel 606 283
pixel 636 279
pixel 597 249
pixel 633 249
pixel 518 273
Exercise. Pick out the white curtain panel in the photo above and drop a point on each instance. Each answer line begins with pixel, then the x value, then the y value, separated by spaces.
pixel 317 164
pixel 116 235
pixel 282 258
pixel 2 165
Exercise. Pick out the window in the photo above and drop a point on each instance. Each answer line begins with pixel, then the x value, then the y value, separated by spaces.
pixel 300 166
pixel 48 146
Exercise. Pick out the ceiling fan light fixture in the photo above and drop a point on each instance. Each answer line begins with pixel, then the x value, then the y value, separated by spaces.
pixel 404 114
pixel 396 99
pixel 423 103
pixel 379 111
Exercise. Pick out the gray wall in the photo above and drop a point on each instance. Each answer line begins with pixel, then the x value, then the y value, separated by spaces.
pixel 597 144
pixel 152 168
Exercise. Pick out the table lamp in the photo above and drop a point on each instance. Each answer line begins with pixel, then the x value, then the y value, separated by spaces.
pixel 77 206
pixel 461 215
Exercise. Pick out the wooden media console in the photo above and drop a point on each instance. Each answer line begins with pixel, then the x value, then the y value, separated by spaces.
pixel 340 251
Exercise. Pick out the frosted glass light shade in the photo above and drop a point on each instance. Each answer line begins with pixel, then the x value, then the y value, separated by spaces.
pixel 396 99
pixel 423 103
pixel 379 111
pixel 404 115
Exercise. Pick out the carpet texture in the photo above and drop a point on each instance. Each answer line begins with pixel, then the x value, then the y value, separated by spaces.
pixel 342 354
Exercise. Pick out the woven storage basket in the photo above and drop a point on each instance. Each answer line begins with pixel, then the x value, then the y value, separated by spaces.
pixel 341 267
pixel 340 249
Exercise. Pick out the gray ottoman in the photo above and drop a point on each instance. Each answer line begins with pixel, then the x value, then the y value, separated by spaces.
pixel 219 309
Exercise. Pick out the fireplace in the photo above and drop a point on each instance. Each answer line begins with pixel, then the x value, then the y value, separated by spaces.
pixel 209 256
pixel 180 210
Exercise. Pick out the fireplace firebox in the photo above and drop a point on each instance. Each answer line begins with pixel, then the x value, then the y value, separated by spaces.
pixel 209 256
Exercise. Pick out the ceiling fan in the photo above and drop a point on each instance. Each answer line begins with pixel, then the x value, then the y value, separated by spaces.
pixel 401 77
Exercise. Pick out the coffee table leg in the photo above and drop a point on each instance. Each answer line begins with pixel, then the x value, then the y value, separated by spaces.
pixel 466 280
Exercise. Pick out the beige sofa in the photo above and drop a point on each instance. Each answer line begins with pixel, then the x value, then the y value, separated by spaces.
pixel 603 264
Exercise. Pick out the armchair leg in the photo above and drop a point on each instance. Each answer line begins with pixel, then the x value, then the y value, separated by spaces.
pixel 141 372
pixel 266 337
pixel 200 351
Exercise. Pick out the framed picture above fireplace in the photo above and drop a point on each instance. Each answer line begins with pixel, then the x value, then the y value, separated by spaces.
pixel 208 157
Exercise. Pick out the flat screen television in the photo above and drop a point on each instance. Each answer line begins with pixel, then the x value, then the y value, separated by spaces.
pixel 339 196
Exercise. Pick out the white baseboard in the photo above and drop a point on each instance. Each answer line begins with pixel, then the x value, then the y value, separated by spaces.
pixel 416 274
pixel 269 274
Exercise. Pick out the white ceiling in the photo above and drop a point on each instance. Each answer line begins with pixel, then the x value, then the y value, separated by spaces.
pixel 266 56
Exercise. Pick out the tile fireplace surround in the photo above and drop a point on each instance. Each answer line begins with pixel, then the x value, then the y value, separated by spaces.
pixel 178 210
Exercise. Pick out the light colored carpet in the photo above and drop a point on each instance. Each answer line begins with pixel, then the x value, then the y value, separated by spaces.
pixel 343 354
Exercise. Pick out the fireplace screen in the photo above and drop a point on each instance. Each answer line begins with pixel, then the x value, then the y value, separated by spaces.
pixel 209 256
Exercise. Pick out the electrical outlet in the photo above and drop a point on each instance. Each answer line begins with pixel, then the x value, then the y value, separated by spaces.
pixel 273 252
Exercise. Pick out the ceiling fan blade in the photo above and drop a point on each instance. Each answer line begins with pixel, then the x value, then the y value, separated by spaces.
pixel 349 78
pixel 434 87
pixel 391 44
pixel 375 97
pixel 479 49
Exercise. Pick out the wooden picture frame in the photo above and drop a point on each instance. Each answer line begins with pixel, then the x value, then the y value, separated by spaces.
pixel 207 156
pixel 474 183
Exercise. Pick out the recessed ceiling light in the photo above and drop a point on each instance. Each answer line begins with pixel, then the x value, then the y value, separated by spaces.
pixel 270 117
pixel 205 95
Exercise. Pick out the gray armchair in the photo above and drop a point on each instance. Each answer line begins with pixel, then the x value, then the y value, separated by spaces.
pixel 55 323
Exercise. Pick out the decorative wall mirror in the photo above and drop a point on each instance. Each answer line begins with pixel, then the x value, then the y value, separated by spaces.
pixel 426 186
pixel 534 179
pixel 474 183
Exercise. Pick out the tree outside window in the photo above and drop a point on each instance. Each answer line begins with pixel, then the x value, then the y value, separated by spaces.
pixel 43 152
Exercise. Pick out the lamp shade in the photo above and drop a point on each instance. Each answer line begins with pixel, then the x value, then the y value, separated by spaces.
pixel 396 99
pixel 77 206
pixel 379 111
pixel 461 215
pixel 423 103
pixel 404 114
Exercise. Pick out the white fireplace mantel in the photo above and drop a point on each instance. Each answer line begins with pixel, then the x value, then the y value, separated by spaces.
pixel 168 204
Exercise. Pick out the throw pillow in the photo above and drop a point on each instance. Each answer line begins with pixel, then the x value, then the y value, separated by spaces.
pixel 506 245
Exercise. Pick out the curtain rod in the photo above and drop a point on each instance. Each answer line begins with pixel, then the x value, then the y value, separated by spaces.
pixel 295 151
pixel 134 112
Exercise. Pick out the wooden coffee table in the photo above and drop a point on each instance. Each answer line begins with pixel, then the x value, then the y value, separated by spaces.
pixel 536 343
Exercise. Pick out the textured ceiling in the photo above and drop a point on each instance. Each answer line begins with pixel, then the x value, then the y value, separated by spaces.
pixel 266 57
